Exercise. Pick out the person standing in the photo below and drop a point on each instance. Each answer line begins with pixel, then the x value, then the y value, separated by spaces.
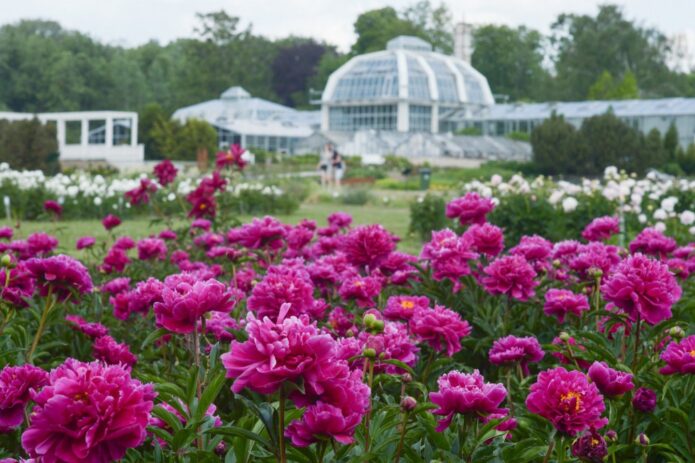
pixel 324 163
pixel 338 167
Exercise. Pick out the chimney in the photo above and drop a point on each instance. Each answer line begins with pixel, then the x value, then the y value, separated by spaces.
pixel 463 41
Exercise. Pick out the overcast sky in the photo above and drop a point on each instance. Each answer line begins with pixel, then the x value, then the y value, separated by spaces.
pixel 133 22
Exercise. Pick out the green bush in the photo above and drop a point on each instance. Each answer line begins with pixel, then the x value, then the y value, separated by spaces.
pixel 427 214
pixel 356 197
pixel 408 184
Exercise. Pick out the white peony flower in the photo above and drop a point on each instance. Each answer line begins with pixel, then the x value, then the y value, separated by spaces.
pixel 660 226
pixel 687 217
pixel 569 204
pixel 660 214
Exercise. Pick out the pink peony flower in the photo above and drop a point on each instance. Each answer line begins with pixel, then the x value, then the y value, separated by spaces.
pixel 53 207
pixel 341 321
pixel 679 357
pixel 124 243
pixel 601 228
pixel 340 219
pixel 592 258
pixel 652 242
pixel 591 447
pixel 568 400
pixel 230 158
pixel 88 412
pixel 467 394
pixel 362 290
pixel 485 239
pixel 260 233
pixel 6 233
pixel 440 327
pixel 610 382
pixel 449 256
pixel 61 275
pixel 511 350
pixel 18 286
pixel 644 400
pixel 85 242
pixel 398 268
pixel 115 260
pixel 403 307
pixel 511 276
pixel 323 421
pixel 469 209
pixel 16 385
pixel 368 245
pixel 184 299
pixel 219 324
pixel 116 285
pixel 275 353
pixel 141 194
pixel 165 171
pixel 393 343
pixel 560 302
pixel 643 288
pixel 111 221
pixel 111 352
pixel 41 244
pixel 152 248
pixel 167 235
pixel 93 330
pixel 282 284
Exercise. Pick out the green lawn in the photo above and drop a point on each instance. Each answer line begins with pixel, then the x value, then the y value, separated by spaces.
pixel 394 218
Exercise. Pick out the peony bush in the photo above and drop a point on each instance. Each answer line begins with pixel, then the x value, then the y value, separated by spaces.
pixel 323 342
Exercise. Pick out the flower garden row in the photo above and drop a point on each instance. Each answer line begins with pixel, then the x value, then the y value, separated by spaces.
pixel 322 342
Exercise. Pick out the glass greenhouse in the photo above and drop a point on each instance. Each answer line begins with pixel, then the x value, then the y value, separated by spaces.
pixel 405 88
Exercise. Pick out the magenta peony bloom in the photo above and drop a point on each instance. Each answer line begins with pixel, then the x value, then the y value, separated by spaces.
pixel 167 235
pixel 85 242
pixel 323 421
pixel 282 284
pixel 165 171
pixel 111 221
pixel 368 245
pixel 644 400
pixel 403 307
pixel 643 288
pixel 449 256
pixel 362 290
pixel 592 258
pixel 278 352
pixel 512 276
pixel 6 233
pixel 679 357
pixel 440 327
pixel 124 242
pixel 469 209
pixel 16 385
pixel 610 382
pixel 111 352
pixel 116 285
pixel 511 350
pixel 340 219
pixel 88 412
pixel 536 250
pixel 230 158
pixel 567 400
pixel 202 224
pixel 61 275
pixel 393 343
pixel 601 228
pixel 341 321
pixel 590 447
pixel 260 233
pixel 19 287
pixel 219 324
pixel 485 239
pixel 41 244
pixel 560 302
pixel 115 260
pixel 651 241
pixel 53 207
pixel 152 248
pixel 184 299
pixel 467 394
pixel 93 330
pixel 141 194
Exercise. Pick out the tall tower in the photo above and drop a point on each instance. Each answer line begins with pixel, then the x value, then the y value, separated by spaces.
pixel 463 41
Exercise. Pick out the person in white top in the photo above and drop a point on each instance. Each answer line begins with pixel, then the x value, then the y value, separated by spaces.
pixel 324 164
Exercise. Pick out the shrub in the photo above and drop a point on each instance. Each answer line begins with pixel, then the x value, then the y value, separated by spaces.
pixel 427 214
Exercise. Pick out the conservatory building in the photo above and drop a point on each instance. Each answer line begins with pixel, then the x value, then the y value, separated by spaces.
pixel 406 88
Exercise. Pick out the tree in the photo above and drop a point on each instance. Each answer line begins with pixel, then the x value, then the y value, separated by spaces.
pixel 29 145
pixel 183 141
pixel 587 46
pixel 511 59
pixel 654 149
pixel 376 27
pixel 686 160
pixel 150 116
pixel 671 142
pixel 435 22
pixel 606 88
pixel 555 144
pixel 611 142
pixel 294 65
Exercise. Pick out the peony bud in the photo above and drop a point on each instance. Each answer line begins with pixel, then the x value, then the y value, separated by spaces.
pixel 408 404
pixel 406 378
pixel 644 400
pixel 6 260
pixel 369 353
pixel 564 336
pixel 611 435
pixel 676 332
pixel 369 320
pixel 642 439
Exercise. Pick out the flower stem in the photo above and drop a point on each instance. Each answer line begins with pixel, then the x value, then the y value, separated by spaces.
pixel 42 325
pixel 561 451
pixel 281 419
pixel 198 385
pixel 399 449
pixel 637 330
pixel 368 418
pixel 551 446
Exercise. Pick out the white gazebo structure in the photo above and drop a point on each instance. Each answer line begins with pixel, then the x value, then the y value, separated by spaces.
pixel 97 136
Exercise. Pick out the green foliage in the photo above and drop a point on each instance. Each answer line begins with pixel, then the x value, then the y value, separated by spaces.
pixel 470 131
pixel 398 163
pixel 686 160
pixel 182 142
pixel 606 88
pixel 426 215
pixel 554 145
pixel 519 136
pixel 29 145
pixel 511 59
pixel 671 142
pixel 356 196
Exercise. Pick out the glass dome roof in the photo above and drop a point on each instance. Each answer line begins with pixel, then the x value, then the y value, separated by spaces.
pixel 408 70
